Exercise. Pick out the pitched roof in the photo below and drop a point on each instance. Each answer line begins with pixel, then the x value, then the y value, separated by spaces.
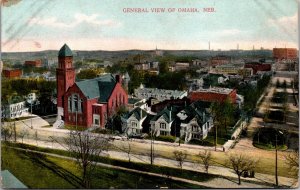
pixel 137 113
pixel 165 113
pixel 65 51
pixel 195 112
pixel 100 87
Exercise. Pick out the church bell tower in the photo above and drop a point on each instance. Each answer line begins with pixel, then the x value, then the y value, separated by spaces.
pixel 65 76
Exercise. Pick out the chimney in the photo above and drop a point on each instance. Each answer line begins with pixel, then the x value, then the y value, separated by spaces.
pixel 119 79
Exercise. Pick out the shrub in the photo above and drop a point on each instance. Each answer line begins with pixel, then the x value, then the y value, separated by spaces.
pixel 167 138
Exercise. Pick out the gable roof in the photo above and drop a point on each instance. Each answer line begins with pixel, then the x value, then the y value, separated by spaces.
pixel 165 113
pixel 65 51
pixel 137 113
pixel 195 112
pixel 100 87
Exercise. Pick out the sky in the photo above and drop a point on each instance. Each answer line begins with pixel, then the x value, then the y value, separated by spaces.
pixel 36 25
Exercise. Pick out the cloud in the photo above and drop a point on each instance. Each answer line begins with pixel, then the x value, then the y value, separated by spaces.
pixel 288 23
pixel 78 19
pixel 228 32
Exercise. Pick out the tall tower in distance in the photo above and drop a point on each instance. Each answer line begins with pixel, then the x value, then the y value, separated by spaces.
pixel 65 76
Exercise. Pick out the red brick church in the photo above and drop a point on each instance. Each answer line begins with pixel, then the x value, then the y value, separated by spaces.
pixel 88 102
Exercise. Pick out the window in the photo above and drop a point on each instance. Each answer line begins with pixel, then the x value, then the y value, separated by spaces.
pixel 163 133
pixel 75 102
pixel 194 128
pixel 195 136
pixel 133 124
pixel 80 105
pixel 69 104
pixel 97 121
pixel 162 125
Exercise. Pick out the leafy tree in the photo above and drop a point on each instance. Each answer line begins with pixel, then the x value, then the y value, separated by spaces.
pixel 226 113
pixel 87 74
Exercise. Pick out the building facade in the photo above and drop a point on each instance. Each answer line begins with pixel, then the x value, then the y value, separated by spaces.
pixel 12 73
pixel 213 94
pixel 35 63
pixel 159 94
pixel 133 122
pixel 89 102
pixel 280 54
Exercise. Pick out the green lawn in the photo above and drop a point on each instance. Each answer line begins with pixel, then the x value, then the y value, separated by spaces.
pixel 40 171
pixel 73 127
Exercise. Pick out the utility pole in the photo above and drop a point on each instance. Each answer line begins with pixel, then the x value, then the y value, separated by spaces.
pixel 276 175
pixel 276 159
pixel 31 113
pixel 216 139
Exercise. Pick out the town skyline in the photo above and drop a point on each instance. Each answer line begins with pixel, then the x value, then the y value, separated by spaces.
pixel 94 26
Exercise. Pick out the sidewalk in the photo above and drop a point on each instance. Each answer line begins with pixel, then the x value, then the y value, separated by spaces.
pixel 259 179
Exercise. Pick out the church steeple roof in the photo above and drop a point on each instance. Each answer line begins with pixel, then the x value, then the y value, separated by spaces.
pixel 65 51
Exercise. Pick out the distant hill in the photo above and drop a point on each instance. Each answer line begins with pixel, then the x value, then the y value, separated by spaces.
pixel 111 55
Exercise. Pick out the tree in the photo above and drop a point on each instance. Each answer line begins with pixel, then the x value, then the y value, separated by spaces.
pixel 6 132
pixel 180 157
pixel 126 147
pixel 226 113
pixel 241 163
pixel 83 146
pixel 205 158
pixel 292 160
pixel 36 137
pixel 216 112
pixel 22 134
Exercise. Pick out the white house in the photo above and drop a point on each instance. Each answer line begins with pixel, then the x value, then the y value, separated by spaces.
pixel 162 122
pixel 132 122
pixel 195 123
pixel 159 94
pixel 14 110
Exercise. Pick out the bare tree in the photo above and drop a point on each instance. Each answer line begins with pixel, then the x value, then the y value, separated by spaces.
pixel 84 146
pixel 22 134
pixel 126 147
pixel 241 163
pixel 180 157
pixel 36 137
pixel 206 159
pixel 6 132
pixel 292 160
